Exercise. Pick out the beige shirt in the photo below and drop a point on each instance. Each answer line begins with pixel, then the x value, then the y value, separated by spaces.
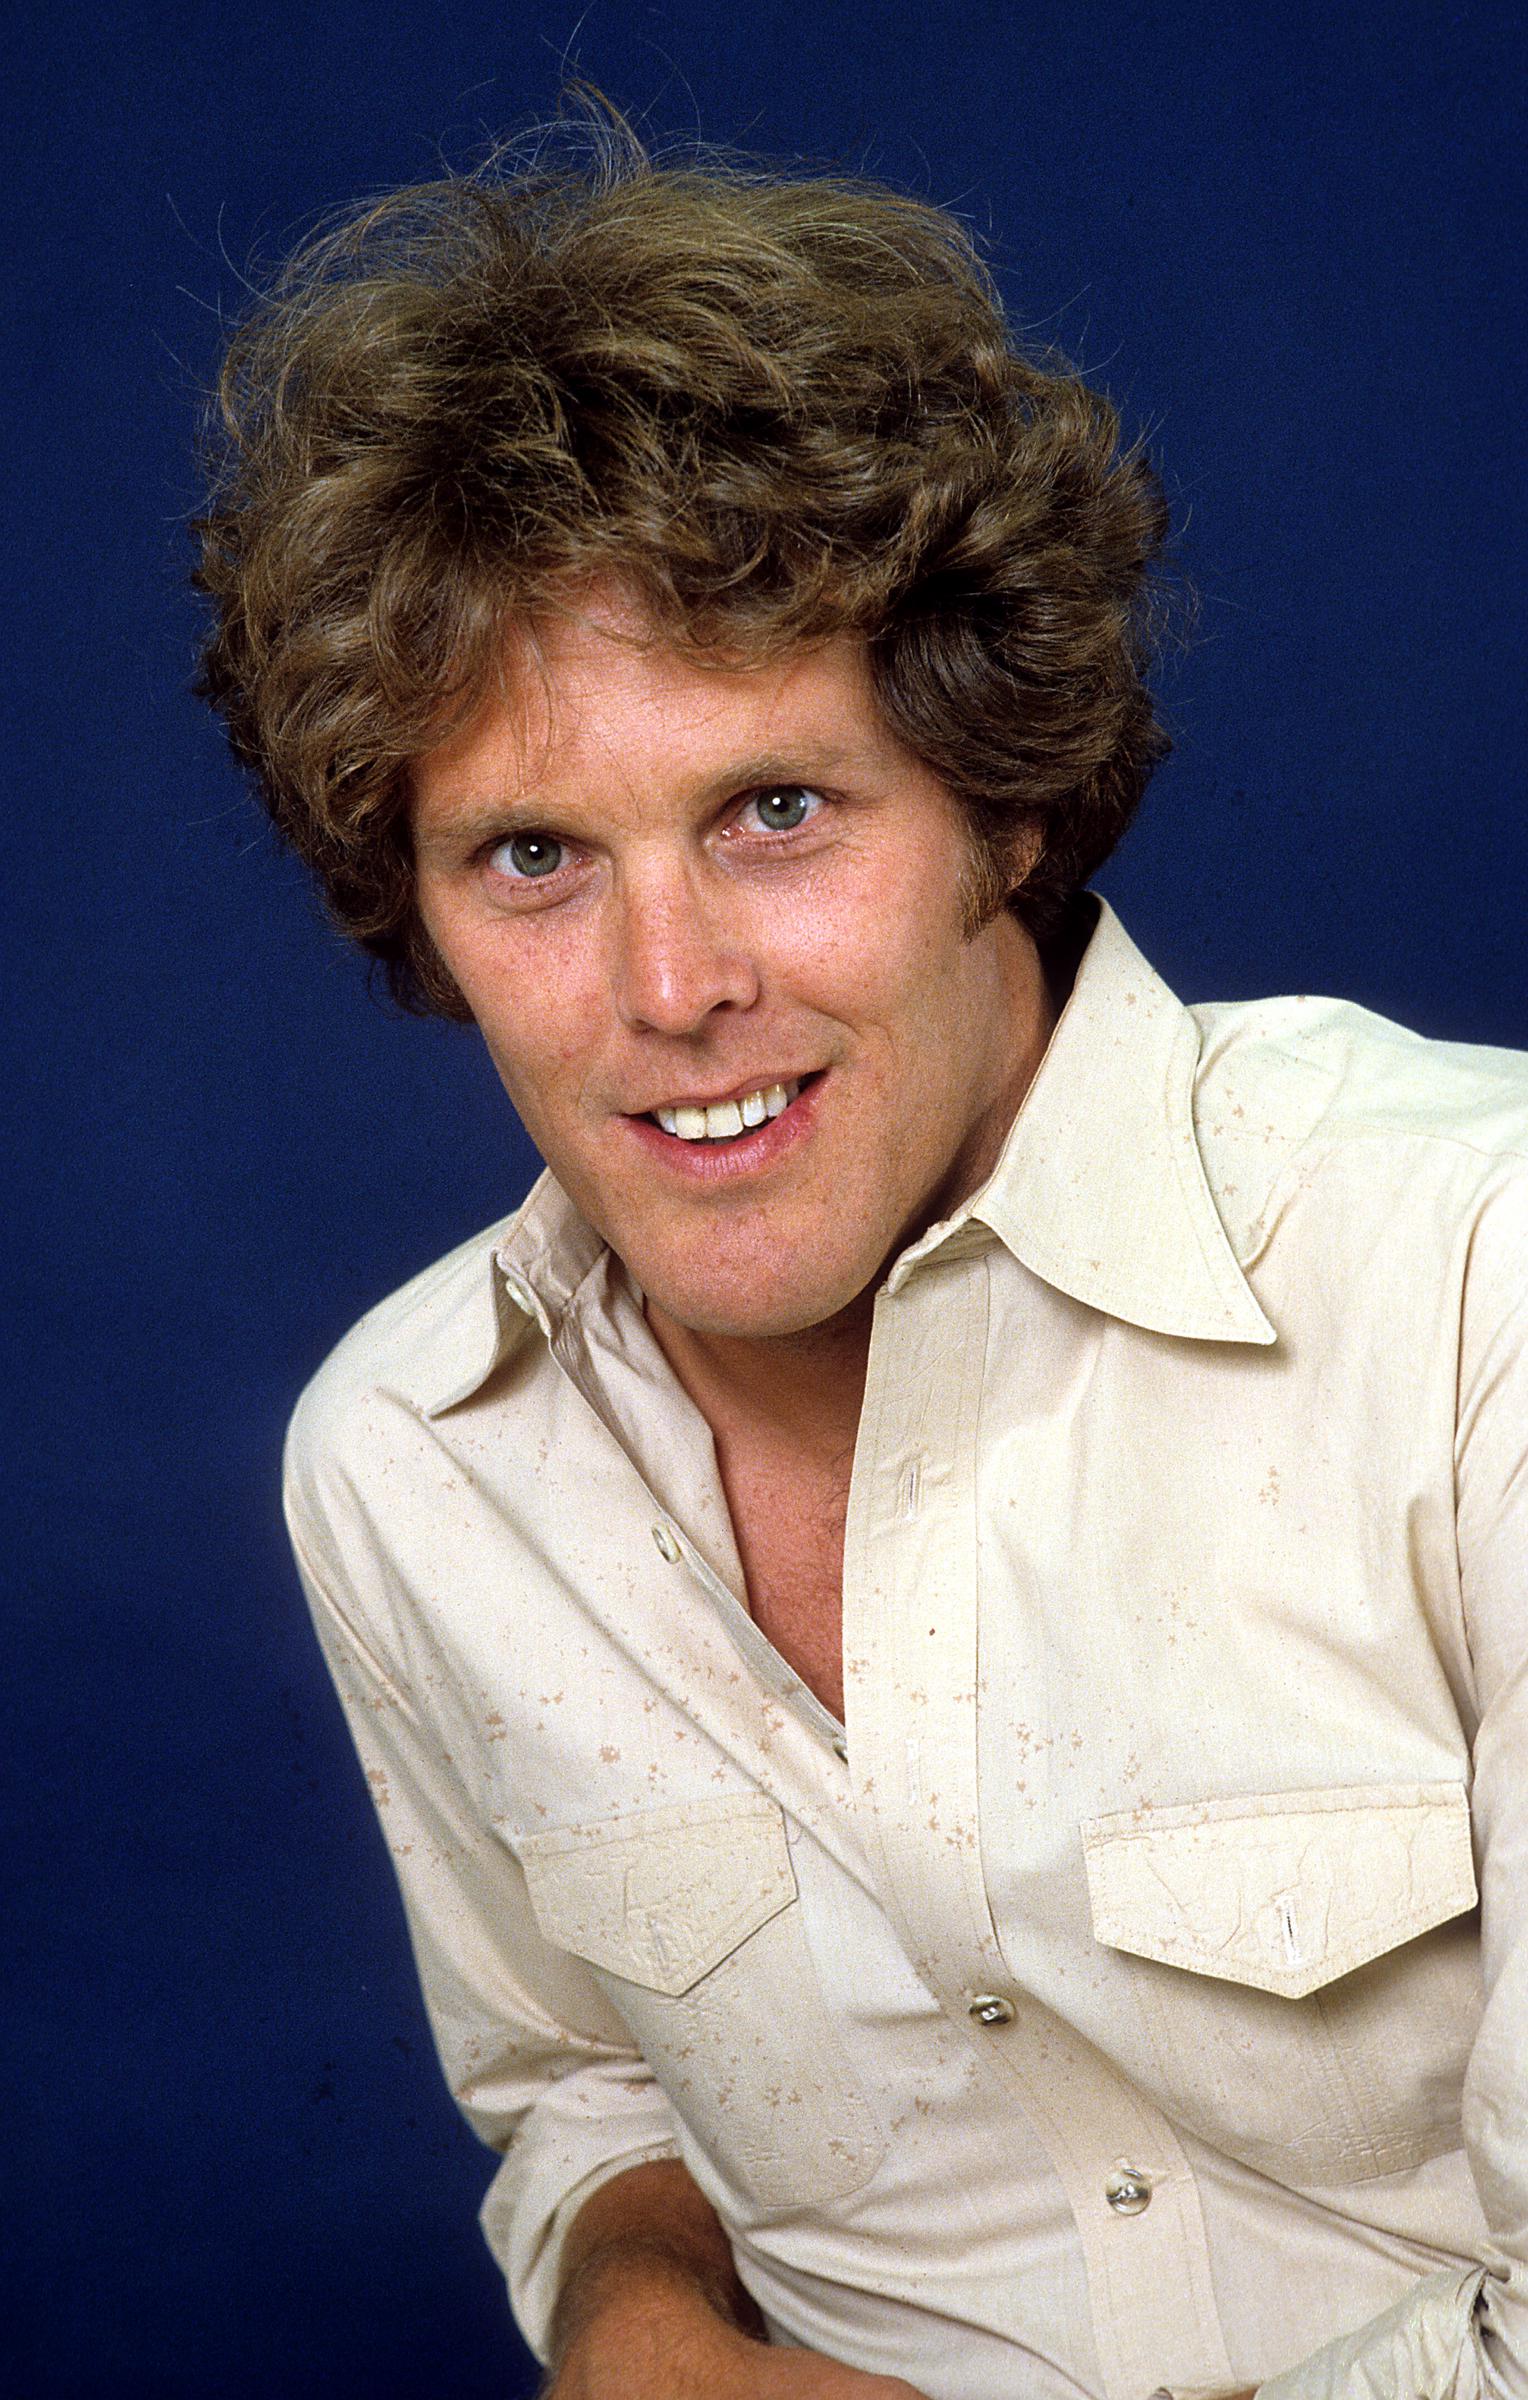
pixel 1105 2008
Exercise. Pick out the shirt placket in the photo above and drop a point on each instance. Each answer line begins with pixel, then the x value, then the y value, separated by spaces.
pixel 771 1724
pixel 911 1630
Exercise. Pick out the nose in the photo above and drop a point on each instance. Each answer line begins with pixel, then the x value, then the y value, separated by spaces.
pixel 678 953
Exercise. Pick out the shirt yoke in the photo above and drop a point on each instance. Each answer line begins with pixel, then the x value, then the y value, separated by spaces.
pixel 1306 1077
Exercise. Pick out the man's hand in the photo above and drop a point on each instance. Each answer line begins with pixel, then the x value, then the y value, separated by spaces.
pixel 690 2354
pixel 651 2309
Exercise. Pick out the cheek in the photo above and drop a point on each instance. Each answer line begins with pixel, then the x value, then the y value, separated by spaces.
pixel 536 1009
pixel 541 1064
pixel 877 945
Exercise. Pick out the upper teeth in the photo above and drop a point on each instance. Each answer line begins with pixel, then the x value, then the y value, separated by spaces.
pixel 723 1118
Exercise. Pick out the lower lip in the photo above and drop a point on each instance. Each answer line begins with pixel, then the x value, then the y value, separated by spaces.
pixel 745 1154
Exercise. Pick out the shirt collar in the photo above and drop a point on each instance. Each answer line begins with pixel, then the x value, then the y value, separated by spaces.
pixel 1099 1190
pixel 526 1277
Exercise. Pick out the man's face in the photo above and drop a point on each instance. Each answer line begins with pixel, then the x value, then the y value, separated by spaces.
pixel 666 888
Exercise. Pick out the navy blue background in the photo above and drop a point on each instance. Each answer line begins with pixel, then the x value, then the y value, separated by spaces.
pixel 1289 243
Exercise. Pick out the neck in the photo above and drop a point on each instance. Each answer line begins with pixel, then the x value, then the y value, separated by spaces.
pixel 803 1388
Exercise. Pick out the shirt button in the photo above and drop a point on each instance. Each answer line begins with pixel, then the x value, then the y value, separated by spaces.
pixel 1128 2191
pixel 667 1546
pixel 990 2008
pixel 520 1292
pixel 840 1748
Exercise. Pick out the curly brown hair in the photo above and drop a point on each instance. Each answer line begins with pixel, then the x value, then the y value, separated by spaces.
pixel 778 408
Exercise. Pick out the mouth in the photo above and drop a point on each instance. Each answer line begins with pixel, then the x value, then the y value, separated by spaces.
pixel 743 1133
pixel 727 1120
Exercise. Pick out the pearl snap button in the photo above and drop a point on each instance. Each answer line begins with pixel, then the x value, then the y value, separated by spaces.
pixel 1128 2191
pixel 990 2008
pixel 667 1546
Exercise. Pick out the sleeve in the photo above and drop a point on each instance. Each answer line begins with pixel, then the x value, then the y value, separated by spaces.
pixel 1465 2336
pixel 539 2063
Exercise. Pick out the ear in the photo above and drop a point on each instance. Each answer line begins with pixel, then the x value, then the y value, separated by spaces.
pixel 1024 853
pixel 998 871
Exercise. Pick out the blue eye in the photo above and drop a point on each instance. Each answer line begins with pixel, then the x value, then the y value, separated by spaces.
pixel 527 856
pixel 785 806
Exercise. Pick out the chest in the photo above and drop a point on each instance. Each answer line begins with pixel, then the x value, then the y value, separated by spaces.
pixel 789 1528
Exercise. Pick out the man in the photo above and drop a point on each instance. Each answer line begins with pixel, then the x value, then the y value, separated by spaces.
pixel 931 1620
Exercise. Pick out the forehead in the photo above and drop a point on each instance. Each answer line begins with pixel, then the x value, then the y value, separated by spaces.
pixel 594 698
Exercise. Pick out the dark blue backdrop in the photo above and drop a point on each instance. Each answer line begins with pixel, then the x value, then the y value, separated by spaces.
pixel 1289 243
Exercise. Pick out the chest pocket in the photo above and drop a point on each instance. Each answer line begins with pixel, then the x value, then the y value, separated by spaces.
pixel 1307 1986
pixel 691 1918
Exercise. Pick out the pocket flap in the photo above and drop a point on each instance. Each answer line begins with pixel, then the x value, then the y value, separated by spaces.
pixel 663 1897
pixel 1282 1890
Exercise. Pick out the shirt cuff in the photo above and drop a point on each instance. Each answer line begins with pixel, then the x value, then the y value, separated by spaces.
pixel 1422 2349
pixel 593 2124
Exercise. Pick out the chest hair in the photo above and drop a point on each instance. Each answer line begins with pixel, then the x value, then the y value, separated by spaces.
pixel 789 1527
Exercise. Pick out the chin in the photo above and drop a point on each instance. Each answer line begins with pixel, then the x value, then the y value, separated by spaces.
pixel 773 1313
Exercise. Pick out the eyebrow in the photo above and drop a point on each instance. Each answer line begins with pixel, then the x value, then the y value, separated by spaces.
pixel 456 827
pixel 779 766
pixel 467 820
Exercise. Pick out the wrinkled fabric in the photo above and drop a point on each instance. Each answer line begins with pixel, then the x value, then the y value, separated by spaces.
pixel 1131 1995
